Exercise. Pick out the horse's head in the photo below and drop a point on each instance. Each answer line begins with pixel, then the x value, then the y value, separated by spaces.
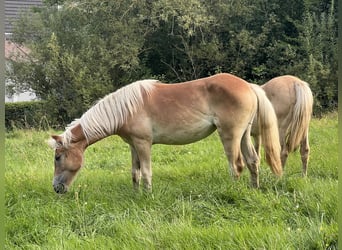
pixel 68 161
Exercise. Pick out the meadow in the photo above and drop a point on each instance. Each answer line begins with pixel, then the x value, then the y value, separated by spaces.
pixel 195 204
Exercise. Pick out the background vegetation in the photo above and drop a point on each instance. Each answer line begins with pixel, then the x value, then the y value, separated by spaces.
pixel 26 115
pixel 82 50
pixel 194 204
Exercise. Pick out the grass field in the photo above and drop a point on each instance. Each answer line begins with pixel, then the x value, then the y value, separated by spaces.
pixel 194 204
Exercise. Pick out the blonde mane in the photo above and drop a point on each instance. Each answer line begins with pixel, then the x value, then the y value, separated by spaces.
pixel 112 111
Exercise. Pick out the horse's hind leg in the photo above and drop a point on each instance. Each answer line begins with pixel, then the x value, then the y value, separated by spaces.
pixel 305 152
pixel 251 158
pixel 231 145
pixel 232 150
pixel 284 148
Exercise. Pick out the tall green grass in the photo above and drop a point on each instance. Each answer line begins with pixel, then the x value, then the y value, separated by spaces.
pixel 195 204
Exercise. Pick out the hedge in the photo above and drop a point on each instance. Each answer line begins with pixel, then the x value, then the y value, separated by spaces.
pixel 26 115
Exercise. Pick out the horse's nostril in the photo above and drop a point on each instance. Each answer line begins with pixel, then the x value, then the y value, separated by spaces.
pixel 59 188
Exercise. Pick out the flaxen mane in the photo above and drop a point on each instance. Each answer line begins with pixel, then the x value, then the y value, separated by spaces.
pixel 111 112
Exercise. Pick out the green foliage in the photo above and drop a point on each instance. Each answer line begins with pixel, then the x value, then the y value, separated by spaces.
pixel 82 51
pixel 320 45
pixel 194 204
pixel 25 115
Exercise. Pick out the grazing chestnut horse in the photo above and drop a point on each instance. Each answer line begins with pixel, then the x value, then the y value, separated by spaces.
pixel 292 101
pixel 149 112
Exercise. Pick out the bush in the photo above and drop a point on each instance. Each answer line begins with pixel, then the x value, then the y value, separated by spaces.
pixel 26 115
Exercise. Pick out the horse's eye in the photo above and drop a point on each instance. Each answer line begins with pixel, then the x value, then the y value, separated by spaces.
pixel 57 157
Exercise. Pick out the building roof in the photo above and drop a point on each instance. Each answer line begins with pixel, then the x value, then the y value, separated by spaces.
pixel 13 9
pixel 14 51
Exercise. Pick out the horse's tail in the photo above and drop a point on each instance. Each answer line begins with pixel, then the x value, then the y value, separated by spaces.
pixel 301 115
pixel 268 127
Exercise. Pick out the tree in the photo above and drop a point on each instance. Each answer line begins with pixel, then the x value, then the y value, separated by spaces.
pixel 319 45
pixel 81 51
pixel 181 45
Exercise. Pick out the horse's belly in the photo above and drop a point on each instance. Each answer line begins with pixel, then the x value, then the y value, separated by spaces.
pixel 182 133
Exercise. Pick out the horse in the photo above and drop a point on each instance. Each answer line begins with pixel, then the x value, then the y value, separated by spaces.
pixel 149 112
pixel 292 100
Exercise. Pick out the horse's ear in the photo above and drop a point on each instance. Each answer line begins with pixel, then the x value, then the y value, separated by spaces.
pixel 56 141
pixel 57 138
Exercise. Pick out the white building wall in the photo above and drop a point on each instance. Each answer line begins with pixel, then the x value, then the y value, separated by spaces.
pixel 22 97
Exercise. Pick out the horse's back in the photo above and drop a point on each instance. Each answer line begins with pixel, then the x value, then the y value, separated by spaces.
pixel 221 89
pixel 182 113
pixel 226 87
pixel 281 92
pixel 231 97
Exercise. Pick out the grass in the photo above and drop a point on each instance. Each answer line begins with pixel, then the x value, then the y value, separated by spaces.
pixel 194 204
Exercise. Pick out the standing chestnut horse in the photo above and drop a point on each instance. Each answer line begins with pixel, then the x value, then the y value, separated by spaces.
pixel 149 112
pixel 292 101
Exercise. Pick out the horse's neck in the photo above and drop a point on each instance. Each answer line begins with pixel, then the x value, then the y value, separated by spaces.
pixel 79 137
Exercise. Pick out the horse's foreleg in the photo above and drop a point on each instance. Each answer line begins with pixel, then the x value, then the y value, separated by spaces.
pixel 304 152
pixel 251 157
pixel 240 164
pixel 136 174
pixel 143 150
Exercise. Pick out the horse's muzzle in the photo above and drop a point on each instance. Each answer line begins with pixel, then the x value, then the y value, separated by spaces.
pixel 60 188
